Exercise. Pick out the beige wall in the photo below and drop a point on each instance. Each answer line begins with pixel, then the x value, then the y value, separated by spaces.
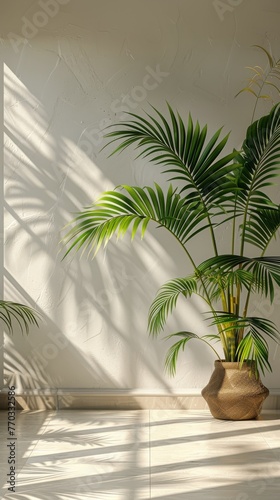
pixel 71 67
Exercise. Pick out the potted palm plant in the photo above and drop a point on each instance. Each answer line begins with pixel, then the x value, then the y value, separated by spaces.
pixel 210 188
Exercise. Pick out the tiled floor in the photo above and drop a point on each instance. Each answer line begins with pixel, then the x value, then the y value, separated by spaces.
pixel 135 455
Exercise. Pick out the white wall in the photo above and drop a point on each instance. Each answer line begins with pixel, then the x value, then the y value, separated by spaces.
pixel 64 80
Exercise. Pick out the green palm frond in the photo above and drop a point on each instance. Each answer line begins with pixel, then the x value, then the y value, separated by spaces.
pixel 166 300
pixel 265 271
pixel 262 227
pixel 254 347
pixel 246 335
pixel 218 280
pixel 174 350
pixel 12 313
pixel 181 151
pixel 116 212
pixel 260 163
pixel 232 322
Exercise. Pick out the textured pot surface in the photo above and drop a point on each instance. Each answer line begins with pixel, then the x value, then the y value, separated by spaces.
pixel 233 393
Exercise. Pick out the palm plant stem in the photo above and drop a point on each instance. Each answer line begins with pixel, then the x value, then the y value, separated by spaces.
pixel 207 298
pixel 258 96
pixel 212 233
pixel 208 301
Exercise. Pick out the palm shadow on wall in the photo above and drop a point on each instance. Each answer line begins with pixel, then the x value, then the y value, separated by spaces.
pixel 79 300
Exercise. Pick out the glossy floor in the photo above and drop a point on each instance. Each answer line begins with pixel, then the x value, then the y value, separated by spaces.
pixel 135 455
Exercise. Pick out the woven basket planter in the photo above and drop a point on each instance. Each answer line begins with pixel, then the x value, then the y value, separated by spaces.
pixel 233 393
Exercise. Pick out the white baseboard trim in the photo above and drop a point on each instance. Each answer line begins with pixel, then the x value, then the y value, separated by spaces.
pixel 115 392
pixel 116 399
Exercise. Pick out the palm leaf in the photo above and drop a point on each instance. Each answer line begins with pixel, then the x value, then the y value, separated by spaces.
pixel 116 212
pixel 181 151
pixel 174 350
pixel 14 313
pixel 166 300
pixel 254 347
pixel 217 282
pixel 265 271
pixel 233 322
pixel 248 335
pixel 260 163
pixel 262 227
